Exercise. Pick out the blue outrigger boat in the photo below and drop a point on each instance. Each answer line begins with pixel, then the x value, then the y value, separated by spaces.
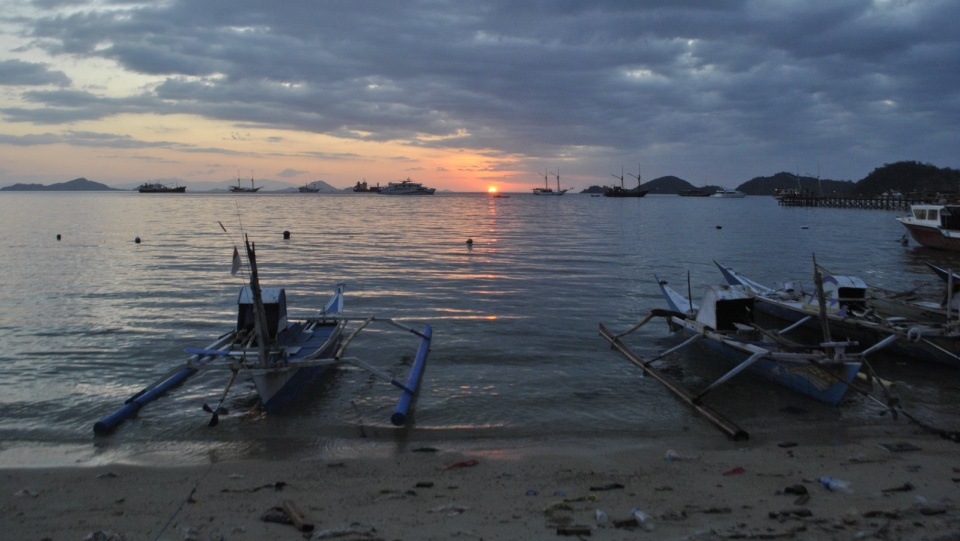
pixel 281 357
pixel 925 331
pixel 723 322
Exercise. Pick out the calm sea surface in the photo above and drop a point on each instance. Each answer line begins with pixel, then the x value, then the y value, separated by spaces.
pixel 516 360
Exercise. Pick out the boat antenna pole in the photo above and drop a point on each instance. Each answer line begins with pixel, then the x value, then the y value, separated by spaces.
pixel 243 275
pixel 822 301
pixel 689 293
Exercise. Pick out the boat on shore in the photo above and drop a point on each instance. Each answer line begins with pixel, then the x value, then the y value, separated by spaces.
pixel 934 226
pixel 362 187
pixel 729 194
pixel 621 191
pixel 860 313
pixel 156 187
pixel 280 357
pixel 243 189
pixel 547 190
pixel 406 187
pixel 723 322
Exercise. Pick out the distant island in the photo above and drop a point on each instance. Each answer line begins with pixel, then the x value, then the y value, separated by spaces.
pixel 75 185
pixel 905 177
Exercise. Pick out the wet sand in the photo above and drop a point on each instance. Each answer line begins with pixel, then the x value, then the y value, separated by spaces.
pixel 767 490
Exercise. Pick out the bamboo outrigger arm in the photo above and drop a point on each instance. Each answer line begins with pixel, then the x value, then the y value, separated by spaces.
pixel 721 422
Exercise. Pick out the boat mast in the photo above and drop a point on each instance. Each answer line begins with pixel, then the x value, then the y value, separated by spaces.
pixel 620 177
pixel 259 313
pixel 636 177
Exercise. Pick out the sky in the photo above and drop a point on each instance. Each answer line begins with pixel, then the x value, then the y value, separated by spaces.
pixel 463 96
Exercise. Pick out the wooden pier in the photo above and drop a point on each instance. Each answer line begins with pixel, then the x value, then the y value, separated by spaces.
pixel 852 201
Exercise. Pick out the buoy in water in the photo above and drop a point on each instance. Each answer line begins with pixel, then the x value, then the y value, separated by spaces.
pixel 58 236
pixel 469 241
pixel 804 227
pixel 286 235
pixel 719 227
pixel 136 240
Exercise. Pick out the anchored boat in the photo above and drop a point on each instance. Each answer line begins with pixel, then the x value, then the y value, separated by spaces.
pixel 861 313
pixel 281 357
pixel 723 322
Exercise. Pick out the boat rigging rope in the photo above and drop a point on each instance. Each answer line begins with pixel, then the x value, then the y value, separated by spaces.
pixel 189 498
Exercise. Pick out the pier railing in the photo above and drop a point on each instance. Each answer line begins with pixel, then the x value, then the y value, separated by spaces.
pixel 852 201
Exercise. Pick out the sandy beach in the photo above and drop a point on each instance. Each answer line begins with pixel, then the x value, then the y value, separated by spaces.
pixel 903 484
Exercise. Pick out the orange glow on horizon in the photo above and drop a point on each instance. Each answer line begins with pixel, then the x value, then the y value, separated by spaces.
pixel 492 189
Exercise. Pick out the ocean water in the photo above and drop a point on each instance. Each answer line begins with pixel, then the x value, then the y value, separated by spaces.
pixel 516 360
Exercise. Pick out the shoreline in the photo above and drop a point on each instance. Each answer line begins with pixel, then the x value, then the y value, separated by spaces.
pixel 691 491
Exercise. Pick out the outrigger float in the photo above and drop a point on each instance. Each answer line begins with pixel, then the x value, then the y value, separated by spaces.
pixel 281 357
pixel 723 321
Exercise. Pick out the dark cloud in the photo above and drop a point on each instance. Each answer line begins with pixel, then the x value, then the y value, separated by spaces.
pixel 17 72
pixel 749 87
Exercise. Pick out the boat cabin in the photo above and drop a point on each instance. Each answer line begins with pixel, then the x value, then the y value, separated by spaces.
pixel 274 304
pixel 843 291
pixel 724 307
pixel 945 216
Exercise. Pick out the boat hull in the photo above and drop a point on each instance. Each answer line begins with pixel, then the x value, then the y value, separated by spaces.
pixel 940 350
pixel 933 237
pixel 280 385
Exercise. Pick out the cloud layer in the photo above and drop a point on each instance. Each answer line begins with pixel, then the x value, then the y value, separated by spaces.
pixel 715 92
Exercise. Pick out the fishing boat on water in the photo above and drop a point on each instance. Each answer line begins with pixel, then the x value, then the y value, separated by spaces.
pixel 723 322
pixel 243 189
pixel 547 190
pixel 729 194
pixel 281 357
pixel 934 226
pixel 156 187
pixel 309 188
pixel 694 193
pixel 860 313
pixel 621 191
pixel 406 187
pixel 362 187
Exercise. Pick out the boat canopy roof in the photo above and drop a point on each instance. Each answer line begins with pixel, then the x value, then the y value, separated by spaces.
pixel 724 305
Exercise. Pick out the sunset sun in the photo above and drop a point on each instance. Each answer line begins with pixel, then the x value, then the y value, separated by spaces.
pixel 492 189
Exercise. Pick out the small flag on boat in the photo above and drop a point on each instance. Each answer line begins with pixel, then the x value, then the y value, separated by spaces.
pixel 236 262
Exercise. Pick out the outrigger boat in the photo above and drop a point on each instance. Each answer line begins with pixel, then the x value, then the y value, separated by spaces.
pixel 281 357
pixel 862 313
pixel 723 322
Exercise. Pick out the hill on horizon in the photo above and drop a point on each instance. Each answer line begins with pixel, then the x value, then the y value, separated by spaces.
pixel 76 185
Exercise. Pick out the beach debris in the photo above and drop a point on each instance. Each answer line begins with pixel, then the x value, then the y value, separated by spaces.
pixel 461 464
pixel 642 519
pixel 906 487
pixel 787 444
pixel 353 529
pixel 735 471
pixel 531 492
pixel 451 509
pixel 574 530
pixel 278 486
pixel 835 485
pixel 601 517
pixel 424 484
pixel 899 447
pixel 26 492
pixel 276 515
pixel 425 450
pixel 797 490
pixel 611 486
pixel 799 512
pixel 107 475
pixel 588 498
pixel 101 535
pixel 673 456
pixel 298 517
